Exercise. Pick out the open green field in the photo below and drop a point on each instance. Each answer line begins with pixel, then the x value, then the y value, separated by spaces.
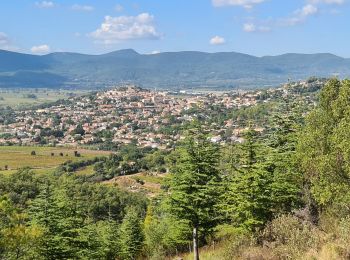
pixel 16 157
pixel 16 98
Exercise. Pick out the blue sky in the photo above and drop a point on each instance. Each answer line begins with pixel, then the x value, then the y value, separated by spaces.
pixel 257 27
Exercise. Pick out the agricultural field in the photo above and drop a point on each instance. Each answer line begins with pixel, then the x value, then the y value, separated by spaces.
pixel 17 98
pixel 13 158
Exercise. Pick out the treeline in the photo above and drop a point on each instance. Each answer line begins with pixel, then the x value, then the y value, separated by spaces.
pixel 128 160
pixel 63 217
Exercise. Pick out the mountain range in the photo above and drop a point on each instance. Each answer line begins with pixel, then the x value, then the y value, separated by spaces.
pixel 168 70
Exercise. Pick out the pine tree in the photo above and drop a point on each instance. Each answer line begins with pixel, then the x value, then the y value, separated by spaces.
pixel 195 185
pixel 287 178
pixel 62 224
pixel 263 181
pixel 131 237
pixel 44 212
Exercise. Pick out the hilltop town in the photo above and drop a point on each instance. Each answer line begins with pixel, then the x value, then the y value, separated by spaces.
pixel 147 118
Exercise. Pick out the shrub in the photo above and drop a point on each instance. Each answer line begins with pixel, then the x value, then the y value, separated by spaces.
pixel 238 245
pixel 289 237
pixel 234 241
pixel 139 180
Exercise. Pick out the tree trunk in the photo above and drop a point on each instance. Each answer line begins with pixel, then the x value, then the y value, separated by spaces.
pixel 195 244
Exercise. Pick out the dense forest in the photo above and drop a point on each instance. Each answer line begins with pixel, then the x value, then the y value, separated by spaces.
pixel 281 195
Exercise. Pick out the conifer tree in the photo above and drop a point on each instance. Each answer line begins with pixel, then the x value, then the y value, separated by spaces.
pixel 131 237
pixel 263 182
pixel 44 212
pixel 195 185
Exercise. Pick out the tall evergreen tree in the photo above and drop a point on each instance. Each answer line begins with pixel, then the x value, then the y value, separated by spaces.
pixel 61 222
pixel 263 182
pixel 131 237
pixel 194 185
pixel 286 188
pixel 44 212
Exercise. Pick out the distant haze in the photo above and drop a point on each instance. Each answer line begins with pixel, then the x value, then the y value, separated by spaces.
pixel 168 70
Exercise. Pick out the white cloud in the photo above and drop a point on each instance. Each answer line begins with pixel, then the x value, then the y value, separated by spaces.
pixel 121 28
pixel 244 3
pixel 297 17
pixel 4 40
pixel 249 27
pixel 217 40
pixel 45 4
pixel 119 8
pixel 300 15
pixel 6 43
pixel 329 2
pixel 252 27
pixel 40 49
pixel 85 8
pixel 308 10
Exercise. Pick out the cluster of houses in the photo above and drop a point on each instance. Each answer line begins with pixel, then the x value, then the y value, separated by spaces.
pixel 125 115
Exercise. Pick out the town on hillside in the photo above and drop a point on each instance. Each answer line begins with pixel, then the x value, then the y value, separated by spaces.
pixel 145 117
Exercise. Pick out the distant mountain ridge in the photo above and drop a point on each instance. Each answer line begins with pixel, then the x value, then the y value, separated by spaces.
pixel 171 70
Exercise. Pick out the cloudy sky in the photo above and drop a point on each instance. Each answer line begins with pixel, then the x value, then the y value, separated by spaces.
pixel 258 27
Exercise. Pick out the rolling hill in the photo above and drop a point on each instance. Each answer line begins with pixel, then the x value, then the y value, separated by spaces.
pixel 171 70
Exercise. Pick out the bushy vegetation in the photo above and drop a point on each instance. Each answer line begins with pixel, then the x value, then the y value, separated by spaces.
pixel 61 217
pixel 282 194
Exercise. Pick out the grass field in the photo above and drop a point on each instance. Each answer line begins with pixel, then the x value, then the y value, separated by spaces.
pixel 16 98
pixel 88 170
pixel 16 157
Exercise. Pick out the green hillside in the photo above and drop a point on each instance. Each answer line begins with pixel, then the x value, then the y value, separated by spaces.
pixel 187 69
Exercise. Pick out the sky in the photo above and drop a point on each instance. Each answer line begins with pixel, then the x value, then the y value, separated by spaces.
pixel 256 27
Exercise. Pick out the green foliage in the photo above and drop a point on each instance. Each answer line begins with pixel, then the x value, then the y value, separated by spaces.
pixel 249 192
pixel 131 237
pixel 164 234
pixel 21 186
pixel 155 161
pixel 62 217
pixel 247 200
pixel 18 240
pixel 262 181
pixel 100 240
pixel 291 237
pixel 79 130
pixel 256 114
pixel 195 182
pixel 164 70
pixel 324 147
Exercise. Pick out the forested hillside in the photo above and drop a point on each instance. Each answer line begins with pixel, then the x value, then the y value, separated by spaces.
pixel 283 194
pixel 168 70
